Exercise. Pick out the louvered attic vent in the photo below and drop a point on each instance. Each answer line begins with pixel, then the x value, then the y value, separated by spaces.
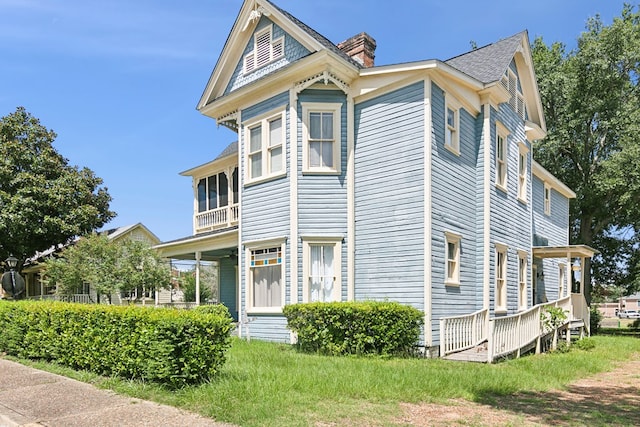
pixel 265 50
pixel 510 82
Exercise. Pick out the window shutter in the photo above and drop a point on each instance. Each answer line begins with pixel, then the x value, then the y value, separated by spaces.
pixel 249 63
pixel 263 48
pixel 278 48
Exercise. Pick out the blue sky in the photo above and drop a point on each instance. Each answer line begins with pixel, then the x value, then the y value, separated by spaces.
pixel 119 80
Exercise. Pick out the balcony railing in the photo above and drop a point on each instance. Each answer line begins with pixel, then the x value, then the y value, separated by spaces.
pixel 225 216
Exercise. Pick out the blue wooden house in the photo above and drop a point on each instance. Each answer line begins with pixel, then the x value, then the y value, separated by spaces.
pixel 410 182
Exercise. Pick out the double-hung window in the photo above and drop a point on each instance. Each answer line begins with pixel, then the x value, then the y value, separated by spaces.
pixel 322 269
pixel 265 147
pixel 266 282
pixel 452 257
pixel 501 157
pixel 321 137
pixel 523 172
pixel 501 279
pixel 265 50
pixel 547 199
pixel 452 126
pixel 522 280
pixel 561 279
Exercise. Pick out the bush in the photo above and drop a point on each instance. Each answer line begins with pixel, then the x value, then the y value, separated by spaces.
pixel 595 319
pixel 173 347
pixel 380 328
pixel 585 344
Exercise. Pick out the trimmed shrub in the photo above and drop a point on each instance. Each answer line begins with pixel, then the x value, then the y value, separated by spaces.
pixel 340 328
pixel 595 318
pixel 173 347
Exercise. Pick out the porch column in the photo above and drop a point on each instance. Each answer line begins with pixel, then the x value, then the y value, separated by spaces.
pixel 569 273
pixel 230 201
pixel 41 284
pixel 198 255
pixel 582 264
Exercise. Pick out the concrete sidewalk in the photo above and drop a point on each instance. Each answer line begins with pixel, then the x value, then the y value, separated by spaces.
pixel 30 397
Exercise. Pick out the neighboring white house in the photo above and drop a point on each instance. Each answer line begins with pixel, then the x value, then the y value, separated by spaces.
pixel 410 182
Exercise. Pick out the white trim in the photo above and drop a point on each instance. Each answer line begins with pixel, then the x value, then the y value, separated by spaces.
pixel 336 242
pixel 562 277
pixel 523 177
pixel 293 192
pixel 523 296
pixel 264 121
pixel 254 54
pixel 546 176
pixel 502 180
pixel 351 194
pixel 455 239
pixel 266 244
pixel 486 212
pixel 322 107
pixel 240 277
pixel 501 248
pixel 450 103
pixel 428 297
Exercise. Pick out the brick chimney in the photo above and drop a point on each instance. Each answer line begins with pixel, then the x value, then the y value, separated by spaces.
pixel 361 48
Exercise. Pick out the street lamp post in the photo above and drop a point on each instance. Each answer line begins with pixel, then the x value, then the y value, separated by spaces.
pixel 12 262
pixel 12 281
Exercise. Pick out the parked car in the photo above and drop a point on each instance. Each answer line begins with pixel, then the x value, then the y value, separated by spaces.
pixel 629 314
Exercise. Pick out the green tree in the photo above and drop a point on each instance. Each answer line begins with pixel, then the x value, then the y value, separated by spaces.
pixel 590 98
pixel 208 283
pixel 108 267
pixel 43 200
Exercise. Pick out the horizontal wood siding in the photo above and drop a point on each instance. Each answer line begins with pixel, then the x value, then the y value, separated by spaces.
pixel 322 199
pixel 389 197
pixel 293 51
pixel 228 286
pixel 549 230
pixel 264 208
pixel 510 219
pixel 267 328
pixel 453 210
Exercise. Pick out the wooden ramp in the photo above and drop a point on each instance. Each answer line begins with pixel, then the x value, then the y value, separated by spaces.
pixel 476 354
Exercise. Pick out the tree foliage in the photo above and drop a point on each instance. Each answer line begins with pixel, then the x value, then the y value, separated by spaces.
pixel 43 200
pixel 208 283
pixel 108 267
pixel 590 98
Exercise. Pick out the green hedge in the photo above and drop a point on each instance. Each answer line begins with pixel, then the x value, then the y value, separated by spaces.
pixel 168 346
pixel 380 328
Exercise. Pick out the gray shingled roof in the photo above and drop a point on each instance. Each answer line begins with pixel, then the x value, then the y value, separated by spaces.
pixel 316 35
pixel 231 149
pixel 488 63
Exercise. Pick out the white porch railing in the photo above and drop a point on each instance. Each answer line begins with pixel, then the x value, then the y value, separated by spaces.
pixel 79 298
pixel 225 216
pixel 459 333
pixel 511 334
pixel 581 310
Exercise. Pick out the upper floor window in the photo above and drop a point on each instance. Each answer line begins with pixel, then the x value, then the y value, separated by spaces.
pixel 512 84
pixel 321 137
pixel 452 266
pixel 452 126
pixel 547 199
pixel 265 148
pixel 213 191
pixel 523 172
pixel 265 50
pixel 501 157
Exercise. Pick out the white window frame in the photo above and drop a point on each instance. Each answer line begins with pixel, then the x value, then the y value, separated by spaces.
pixel 523 172
pixel 523 287
pixel 266 151
pixel 501 278
pixel 502 163
pixel 318 107
pixel 249 271
pixel 452 278
pixel 562 273
pixel 452 132
pixel 336 243
pixel 546 196
pixel 516 97
pixel 255 59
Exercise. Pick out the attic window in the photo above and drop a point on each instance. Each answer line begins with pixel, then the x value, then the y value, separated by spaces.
pixel 510 82
pixel 265 50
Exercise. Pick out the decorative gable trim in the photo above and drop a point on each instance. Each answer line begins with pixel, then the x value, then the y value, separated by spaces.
pixel 326 76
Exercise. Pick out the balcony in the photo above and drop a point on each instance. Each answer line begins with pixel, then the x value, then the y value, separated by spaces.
pixel 215 219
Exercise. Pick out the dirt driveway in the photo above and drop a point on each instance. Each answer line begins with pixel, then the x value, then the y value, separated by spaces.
pixel 606 399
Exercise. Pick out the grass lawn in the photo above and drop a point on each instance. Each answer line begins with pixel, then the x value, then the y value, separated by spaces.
pixel 265 384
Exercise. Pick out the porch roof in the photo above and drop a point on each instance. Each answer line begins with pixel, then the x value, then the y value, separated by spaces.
pixel 564 251
pixel 211 245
